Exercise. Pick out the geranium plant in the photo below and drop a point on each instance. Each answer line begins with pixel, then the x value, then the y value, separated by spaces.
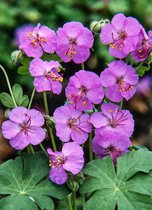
pixel 90 161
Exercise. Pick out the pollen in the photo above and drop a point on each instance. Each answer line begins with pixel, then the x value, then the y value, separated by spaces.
pixel 84 103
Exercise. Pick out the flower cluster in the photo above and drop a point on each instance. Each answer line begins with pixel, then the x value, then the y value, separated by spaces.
pixel 93 109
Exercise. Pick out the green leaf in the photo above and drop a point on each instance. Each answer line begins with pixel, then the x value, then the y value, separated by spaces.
pixel 21 100
pixel 6 100
pixel 26 61
pixel 23 70
pixel 128 188
pixel 25 186
pixel 18 93
pixel 49 57
pixel 142 69
pixel 25 101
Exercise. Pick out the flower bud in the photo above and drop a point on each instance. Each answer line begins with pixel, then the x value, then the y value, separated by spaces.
pixel 16 56
pixel 96 26
pixel 49 121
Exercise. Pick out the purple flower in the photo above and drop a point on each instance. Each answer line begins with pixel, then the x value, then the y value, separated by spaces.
pixel 71 124
pixel 40 39
pixel 144 46
pixel 144 86
pixel 24 128
pixel 84 89
pixel 26 28
pixel 112 119
pixel 47 77
pixel 110 144
pixel 74 42
pixel 69 159
pixel 121 35
pixel 120 81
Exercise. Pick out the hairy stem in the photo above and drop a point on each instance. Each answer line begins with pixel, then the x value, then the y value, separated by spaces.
pixel 9 86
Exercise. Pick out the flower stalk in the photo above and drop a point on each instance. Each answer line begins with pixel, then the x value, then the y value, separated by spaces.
pixel 49 128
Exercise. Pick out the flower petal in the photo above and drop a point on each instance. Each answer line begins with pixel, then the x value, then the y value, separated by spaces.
pixel 58 175
pixel 10 129
pixel 74 160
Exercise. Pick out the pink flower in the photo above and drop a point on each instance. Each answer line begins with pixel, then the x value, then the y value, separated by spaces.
pixel 84 90
pixel 144 46
pixel 24 128
pixel 110 144
pixel 26 28
pixel 112 119
pixel 72 124
pixel 46 75
pixel 120 81
pixel 121 35
pixel 69 159
pixel 39 40
pixel 74 42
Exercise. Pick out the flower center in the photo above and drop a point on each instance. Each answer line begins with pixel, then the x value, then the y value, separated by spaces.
pixel 57 162
pixel 36 39
pixel 145 49
pixel 71 122
pixel 72 47
pixel 26 124
pixel 123 86
pixel 112 149
pixel 54 76
pixel 81 94
pixel 118 41
pixel 117 118
pixel 74 124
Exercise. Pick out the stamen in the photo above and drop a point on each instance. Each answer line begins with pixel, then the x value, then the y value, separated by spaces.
pixel 57 162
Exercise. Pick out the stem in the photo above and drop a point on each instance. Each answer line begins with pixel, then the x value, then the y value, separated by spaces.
pixel 83 201
pixel 45 103
pixel 82 65
pixel 52 138
pixel 43 149
pixel 49 128
pixel 121 104
pixel 90 147
pixel 30 149
pixel 74 200
pixel 32 96
pixel 69 202
pixel 9 86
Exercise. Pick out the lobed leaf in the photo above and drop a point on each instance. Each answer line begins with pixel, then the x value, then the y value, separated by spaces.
pixel 25 185
pixel 128 188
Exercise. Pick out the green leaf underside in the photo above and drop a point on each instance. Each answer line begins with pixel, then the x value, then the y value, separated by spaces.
pixel 25 185
pixel 129 188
